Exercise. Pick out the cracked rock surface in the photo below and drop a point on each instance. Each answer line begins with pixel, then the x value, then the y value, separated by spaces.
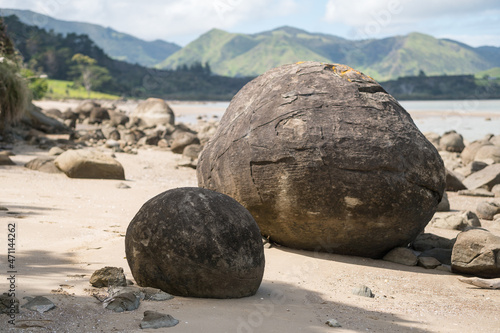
pixel 325 159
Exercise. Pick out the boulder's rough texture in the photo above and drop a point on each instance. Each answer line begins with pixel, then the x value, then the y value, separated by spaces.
pixel 154 111
pixel 486 178
pixel 108 276
pixel 89 164
pixel 195 242
pixel 477 252
pixel 324 159
pixel 452 141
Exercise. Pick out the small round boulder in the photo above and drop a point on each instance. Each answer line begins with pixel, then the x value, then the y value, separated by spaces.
pixel 325 159
pixel 197 243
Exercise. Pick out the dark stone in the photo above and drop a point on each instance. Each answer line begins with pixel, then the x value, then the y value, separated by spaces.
pixel 477 252
pixel 40 304
pixel 425 242
pixel 197 243
pixel 443 255
pixel 69 115
pixel 428 262
pixel 454 182
pixel 117 118
pixel 154 319
pixel 444 205
pixel 85 108
pixel 324 159
pixel 182 140
pixel 97 115
pixel 108 276
pixel 128 301
pixel 43 164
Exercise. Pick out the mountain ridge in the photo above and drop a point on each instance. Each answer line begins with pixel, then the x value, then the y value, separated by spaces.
pixel 118 45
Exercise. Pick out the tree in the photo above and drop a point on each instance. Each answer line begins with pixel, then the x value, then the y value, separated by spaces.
pixel 88 73
pixel 14 93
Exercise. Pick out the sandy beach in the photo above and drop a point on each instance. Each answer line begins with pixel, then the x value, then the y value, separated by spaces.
pixel 68 228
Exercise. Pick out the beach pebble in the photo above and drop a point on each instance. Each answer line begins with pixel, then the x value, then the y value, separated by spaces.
pixel 487 210
pixel 428 262
pixel 154 319
pixel 40 304
pixel 333 323
pixel 402 255
pixel 363 291
pixel 108 276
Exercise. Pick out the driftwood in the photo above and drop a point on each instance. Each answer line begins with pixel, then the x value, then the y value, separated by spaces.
pixel 34 118
pixel 482 283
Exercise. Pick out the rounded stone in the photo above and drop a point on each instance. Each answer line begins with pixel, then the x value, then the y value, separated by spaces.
pixel 154 111
pixel 325 159
pixel 197 243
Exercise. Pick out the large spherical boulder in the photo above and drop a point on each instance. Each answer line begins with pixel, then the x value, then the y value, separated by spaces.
pixel 195 242
pixel 325 159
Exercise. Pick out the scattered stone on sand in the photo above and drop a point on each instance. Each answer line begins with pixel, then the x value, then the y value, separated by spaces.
pixel 482 283
pixel 144 293
pixel 206 243
pixel 308 146
pixel 470 168
pixel 3 208
pixel 480 192
pixel 485 178
pixel 182 140
pixel 152 112
pixel 469 152
pixel 187 163
pixel 122 302
pixel 8 304
pixel 428 262
pixel 154 319
pixel 363 291
pixel 444 205
pixel 89 164
pixel 440 254
pixel 43 164
pixel 192 151
pixel 476 253
pixel 488 154
pixel 333 323
pixel 454 181
pixel 452 142
pixel 55 151
pixel 5 160
pixel 487 210
pixel 40 304
pixel 427 241
pixel 108 276
pixel 402 255
pixel 122 186
pixel 456 221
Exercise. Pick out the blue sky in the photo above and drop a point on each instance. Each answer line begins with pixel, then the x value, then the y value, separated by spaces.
pixel 473 22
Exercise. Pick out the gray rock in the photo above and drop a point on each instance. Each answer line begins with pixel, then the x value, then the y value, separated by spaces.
pixel 443 255
pixel 487 210
pixel 428 262
pixel 108 276
pixel 98 115
pixel 89 164
pixel 486 178
pixel 456 221
pixel 182 140
pixel 454 181
pixel 427 241
pixel 480 192
pixel 444 205
pixel 154 319
pixel 154 294
pixel 40 304
pixel 476 253
pixel 333 323
pixel 324 159
pixel 85 108
pixel 117 118
pixel 487 154
pixel 206 243
pixel 402 255
pixel 452 141
pixel 146 293
pixel 152 112
pixel 8 305
pixel 433 138
pixel 43 164
pixel 363 291
pixel 122 302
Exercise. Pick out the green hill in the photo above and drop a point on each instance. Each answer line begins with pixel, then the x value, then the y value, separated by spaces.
pixel 236 54
pixel 117 45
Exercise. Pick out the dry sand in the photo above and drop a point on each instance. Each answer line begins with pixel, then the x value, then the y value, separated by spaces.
pixel 68 228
